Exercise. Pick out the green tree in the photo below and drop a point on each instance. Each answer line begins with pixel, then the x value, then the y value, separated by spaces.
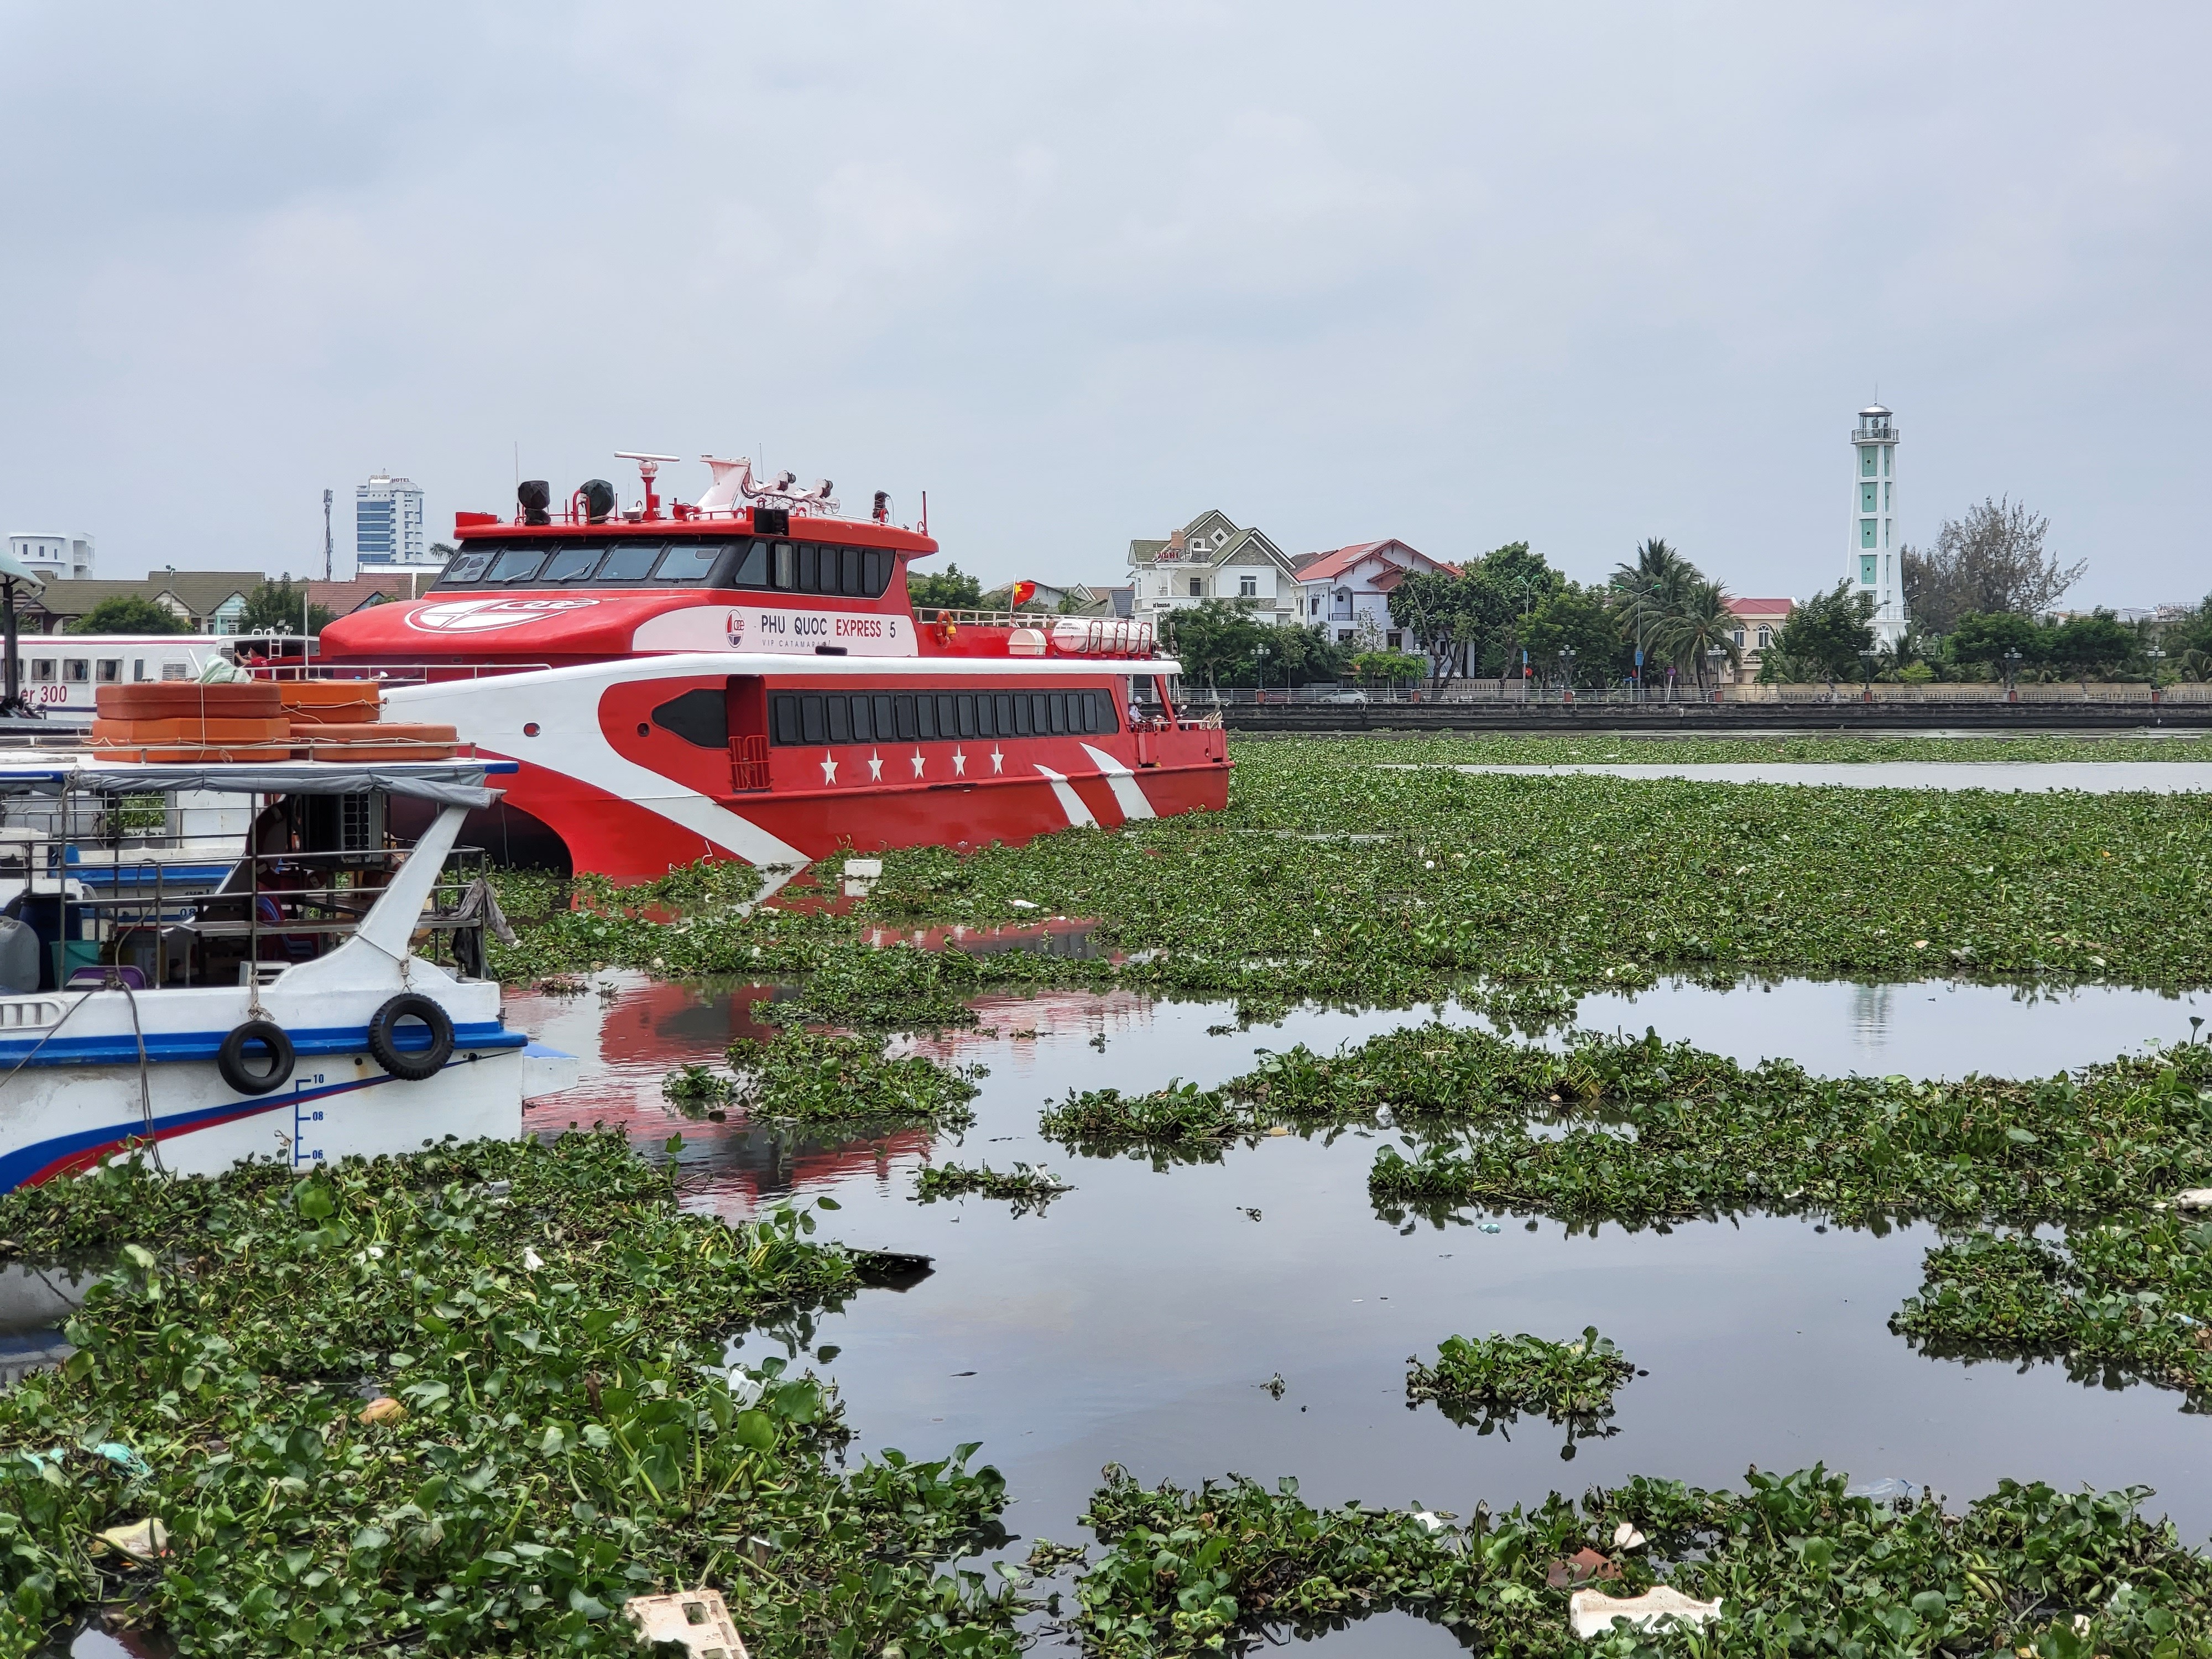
pixel 1465 622
pixel 948 589
pixel 2096 644
pixel 1985 636
pixel 279 607
pixel 1700 624
pixel 129 613
pixel 1824 635
pixel 1574 618
pixel 1403 667
pixel 1299 656
pixel 1217 641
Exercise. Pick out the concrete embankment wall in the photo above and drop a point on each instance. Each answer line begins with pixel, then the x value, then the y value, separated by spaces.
pixel 1719 720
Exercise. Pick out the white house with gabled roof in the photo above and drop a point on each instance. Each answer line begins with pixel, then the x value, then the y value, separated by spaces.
pixel 1213 558
pixel 1347 590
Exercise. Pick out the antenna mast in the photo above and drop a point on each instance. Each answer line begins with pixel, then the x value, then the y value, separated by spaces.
pixel 326 535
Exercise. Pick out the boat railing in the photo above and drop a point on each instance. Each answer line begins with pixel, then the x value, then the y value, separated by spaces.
pixel 271 912
pixel 1065 635
pixel 399 671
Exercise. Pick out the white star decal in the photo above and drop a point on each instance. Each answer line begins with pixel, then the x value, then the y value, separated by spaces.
pixel 997 761
pixel 875 768
pixel 917 762
pixel 829 767
pixel 959 764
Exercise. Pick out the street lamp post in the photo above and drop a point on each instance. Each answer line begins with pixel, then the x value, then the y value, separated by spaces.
pixel 1715 654
pixel 2012 674
pixel 1867 657
pixel 1566 674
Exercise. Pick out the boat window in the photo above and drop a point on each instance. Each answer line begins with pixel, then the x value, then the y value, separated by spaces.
pixel 872 564
pixel 517 564
pixel 110 670
pixel 751 568
pixel 138 670
pixel 837 717
pixel 786 575
pixel 810 568
pixel 465 567
pixel 848 571
pixel 700 717
pixel 77 668
pixel 42 668
pixel 176 670
pixel 572 564
pixel 689 562
pixel 630 562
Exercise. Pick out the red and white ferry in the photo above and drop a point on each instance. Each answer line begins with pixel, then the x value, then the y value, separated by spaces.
pixel 743 677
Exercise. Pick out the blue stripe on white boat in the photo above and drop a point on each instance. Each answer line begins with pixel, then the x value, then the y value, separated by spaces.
pixel 143 875
pixel 20 1165
pixel 168 1046
pixel 536 1050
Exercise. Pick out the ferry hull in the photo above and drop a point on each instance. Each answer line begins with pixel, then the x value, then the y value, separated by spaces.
pixel 610 788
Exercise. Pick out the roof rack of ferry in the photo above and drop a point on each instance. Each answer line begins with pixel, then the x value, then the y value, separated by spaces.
pixel 768 503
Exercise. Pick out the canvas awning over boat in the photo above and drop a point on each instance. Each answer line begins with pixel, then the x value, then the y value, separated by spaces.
pixel 448 783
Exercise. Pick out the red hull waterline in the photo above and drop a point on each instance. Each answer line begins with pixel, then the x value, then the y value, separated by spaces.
pixel 727 680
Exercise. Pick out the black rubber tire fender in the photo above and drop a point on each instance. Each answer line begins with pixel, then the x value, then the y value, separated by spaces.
pixel 411 1064
pixel 238 1071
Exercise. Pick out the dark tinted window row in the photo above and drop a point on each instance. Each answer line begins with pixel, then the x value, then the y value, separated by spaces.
pixel 775 566
pixel 832 717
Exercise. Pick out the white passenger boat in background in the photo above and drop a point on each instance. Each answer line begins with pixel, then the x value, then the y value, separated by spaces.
pixel 324 997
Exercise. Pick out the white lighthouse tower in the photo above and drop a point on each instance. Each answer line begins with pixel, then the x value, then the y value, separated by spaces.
pixel 1874 556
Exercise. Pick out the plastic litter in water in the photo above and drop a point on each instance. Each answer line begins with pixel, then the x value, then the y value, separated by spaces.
pixel 1491 1227
pixel 698 1621
pixel 1592 1612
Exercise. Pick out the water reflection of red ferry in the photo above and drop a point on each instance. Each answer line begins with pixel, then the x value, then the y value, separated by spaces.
pixel 645 1032
pixel 745 677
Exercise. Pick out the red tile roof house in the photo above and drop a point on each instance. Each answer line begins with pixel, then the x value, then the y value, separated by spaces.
pixel 1347 591
pixel 1758 621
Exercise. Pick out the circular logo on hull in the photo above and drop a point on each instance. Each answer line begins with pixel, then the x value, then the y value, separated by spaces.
pixel 734 626
pixel 484 616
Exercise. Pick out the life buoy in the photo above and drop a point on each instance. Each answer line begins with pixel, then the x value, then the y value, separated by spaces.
pixel 411 1064
pixel 238 1070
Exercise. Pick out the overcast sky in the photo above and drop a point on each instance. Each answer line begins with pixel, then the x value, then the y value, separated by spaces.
pixel 1463 274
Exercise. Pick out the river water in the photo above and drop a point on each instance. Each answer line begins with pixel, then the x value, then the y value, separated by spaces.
pixel 1136 1320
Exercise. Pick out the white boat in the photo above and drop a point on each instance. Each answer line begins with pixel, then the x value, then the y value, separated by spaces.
pixel 326 998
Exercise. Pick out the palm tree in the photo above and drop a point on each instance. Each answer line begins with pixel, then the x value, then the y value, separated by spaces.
pixel 1698 624
pixel 1648 592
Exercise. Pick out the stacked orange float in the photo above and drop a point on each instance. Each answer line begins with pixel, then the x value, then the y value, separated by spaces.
pixel 259 720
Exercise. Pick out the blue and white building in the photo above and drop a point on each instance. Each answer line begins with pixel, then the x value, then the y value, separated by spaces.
pixel 1875 549
pixel 387 524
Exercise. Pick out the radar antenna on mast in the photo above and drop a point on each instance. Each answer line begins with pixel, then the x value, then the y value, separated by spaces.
pixel 648 469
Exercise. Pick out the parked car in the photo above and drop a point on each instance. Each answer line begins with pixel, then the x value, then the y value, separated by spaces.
pixel 1345 696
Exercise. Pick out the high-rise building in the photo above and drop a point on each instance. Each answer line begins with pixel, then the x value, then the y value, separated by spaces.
pixel 387 523
pixel 1873 568
pixel 53 554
